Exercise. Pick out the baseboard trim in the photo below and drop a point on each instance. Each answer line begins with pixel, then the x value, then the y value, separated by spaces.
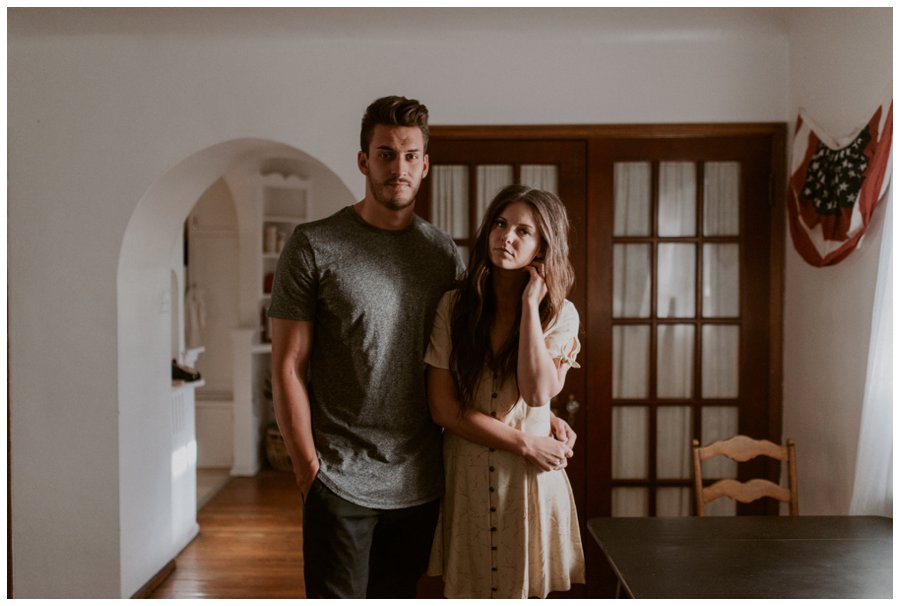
pixel 150 586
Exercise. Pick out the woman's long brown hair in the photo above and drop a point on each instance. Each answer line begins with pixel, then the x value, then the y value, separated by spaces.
pixel 474 310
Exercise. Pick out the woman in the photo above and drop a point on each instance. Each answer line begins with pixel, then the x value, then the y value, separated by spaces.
pixel 500 350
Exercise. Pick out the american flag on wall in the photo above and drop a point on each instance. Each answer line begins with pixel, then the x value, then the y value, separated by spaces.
pixel 835 186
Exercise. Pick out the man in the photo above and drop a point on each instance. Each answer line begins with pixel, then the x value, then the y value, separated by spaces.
pixel 353 306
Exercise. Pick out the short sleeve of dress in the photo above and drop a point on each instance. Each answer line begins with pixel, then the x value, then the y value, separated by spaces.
pixel 438 352
pixel 561 336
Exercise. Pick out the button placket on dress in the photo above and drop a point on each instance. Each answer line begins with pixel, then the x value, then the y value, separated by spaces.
pixel 492 493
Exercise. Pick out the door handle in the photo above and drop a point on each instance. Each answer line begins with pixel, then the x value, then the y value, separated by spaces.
pixel 572 407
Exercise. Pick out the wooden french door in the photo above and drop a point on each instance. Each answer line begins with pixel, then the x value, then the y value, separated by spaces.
pixel 680 270
pixel 677 245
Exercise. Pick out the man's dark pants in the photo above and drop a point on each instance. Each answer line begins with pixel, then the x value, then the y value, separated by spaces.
pixel 351 551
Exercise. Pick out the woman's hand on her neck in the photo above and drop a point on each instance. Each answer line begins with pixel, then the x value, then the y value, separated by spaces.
pixel 536 287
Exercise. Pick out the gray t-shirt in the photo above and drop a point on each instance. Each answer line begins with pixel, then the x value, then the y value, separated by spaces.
pixel 371 295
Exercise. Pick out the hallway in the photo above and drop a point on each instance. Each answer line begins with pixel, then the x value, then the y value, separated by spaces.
pixel 249 544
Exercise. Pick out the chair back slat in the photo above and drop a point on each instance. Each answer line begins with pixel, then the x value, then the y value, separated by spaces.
pixel 742 448
pixel 746 492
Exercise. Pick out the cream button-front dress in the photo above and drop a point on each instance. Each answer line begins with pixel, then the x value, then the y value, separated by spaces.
pixel 506 529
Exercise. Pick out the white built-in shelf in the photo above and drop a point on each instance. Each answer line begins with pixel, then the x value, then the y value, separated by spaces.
pixel 282 201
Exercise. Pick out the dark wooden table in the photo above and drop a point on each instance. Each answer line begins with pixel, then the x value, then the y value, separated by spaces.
pixel 749 557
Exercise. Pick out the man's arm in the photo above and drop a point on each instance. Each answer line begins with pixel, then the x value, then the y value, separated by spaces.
pixel 291 345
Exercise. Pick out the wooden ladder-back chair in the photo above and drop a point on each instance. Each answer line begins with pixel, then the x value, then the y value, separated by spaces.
pixel 742 448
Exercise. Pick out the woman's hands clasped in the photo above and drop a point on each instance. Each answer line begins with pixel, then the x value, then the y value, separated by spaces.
pixel 547 453
pixel 562 431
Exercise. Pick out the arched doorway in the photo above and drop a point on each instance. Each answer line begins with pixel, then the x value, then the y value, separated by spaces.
pixel 156 515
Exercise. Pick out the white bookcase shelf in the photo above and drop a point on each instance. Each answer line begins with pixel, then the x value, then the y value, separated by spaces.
pixel 282 203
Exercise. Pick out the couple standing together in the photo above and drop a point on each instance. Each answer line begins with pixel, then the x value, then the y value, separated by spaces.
pixel 360 300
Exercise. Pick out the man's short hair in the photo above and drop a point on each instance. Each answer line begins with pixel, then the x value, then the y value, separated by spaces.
pixel 393 111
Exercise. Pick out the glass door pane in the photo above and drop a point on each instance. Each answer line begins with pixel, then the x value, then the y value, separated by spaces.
pixel 673 438
pixel 721 280
pixel 721 198
pixel 630 431
pixel 632 189
pixel 676 289
pixel 675 361
pixel 450 199
pixel 673 502
pixel 631 280
pixel 677 199
pixel 490 179
pixel 720 359
pixel 630 502
pixel 631 361
pixel 541 176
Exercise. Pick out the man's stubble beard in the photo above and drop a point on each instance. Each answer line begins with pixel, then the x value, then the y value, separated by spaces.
pixel 389 202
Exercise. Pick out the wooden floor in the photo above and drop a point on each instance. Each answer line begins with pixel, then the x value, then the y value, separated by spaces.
pixel 249 544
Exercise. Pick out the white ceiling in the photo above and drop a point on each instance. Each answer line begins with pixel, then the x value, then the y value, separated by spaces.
pixel 400 23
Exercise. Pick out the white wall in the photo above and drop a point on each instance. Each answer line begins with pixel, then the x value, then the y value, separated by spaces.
pixel 121 118
pixel 828 311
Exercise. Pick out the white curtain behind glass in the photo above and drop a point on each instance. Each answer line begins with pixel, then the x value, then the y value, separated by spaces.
pixel 720 348
pixel 630 427
pixel 721 280
pixel 675 360
pixel 676 262
pixel 630 502
pixel 673 460
pixel 491 179
pixel 873 488
pixel 720 345
pixel 721 206
pixel 541 176
pixel 450 199
pixel 631 182
pixel 677 199
pixel 631 344
pixel 676 288
pixel 631 358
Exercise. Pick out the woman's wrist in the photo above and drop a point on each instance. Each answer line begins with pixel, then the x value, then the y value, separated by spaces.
pixel 524 444
pixel 531 312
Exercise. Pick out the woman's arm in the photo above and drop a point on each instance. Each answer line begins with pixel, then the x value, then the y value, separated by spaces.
pixel 540 377
pixel 546 452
